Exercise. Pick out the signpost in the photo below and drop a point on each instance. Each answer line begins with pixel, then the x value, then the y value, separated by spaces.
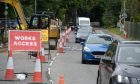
pixel 20 40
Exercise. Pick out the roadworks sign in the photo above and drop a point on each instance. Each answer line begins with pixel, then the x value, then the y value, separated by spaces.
pixel 44 35
pixel 20 40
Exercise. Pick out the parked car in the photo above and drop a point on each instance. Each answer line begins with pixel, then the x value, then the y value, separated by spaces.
pixel 10 23
pixel 95 47
pixel 83 26
pixel 121 64
pixel 82 34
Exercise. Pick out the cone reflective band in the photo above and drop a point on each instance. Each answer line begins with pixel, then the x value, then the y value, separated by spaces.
pixel 38 66
pixel 43 57
pixel 10 63
pixel 43 51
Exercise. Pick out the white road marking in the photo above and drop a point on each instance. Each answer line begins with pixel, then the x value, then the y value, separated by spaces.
pixel 49 71
pixel 51 81
pixel 57 54
pixel 54 58
pixel 51 63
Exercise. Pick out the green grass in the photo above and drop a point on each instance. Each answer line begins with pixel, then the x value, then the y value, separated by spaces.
pixel 115 31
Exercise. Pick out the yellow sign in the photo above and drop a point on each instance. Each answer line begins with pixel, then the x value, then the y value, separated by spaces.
pixel 44 34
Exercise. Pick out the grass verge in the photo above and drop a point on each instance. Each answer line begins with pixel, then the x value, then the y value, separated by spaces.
pixel 115 31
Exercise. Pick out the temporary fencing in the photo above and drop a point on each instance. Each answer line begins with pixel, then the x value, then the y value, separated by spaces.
pixel 63 39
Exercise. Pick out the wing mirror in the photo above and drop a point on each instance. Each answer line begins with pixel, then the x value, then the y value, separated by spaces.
pixel 106 60
pixel 82 43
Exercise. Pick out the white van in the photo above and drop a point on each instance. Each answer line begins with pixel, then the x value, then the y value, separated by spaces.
pixel 83 21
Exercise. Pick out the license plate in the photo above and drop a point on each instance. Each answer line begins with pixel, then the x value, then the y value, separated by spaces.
pixel 98 56
pixel 82 37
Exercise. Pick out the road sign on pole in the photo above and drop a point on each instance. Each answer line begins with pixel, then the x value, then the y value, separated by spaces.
pixel 124 15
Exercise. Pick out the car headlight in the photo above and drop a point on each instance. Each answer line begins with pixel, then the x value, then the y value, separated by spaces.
pixel 86 49
pixel 122 79
pixel 78 36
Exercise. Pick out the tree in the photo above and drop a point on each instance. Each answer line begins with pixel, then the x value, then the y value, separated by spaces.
pixel 111 11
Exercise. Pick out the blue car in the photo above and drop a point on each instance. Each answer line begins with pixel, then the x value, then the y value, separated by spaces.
pixel 95 47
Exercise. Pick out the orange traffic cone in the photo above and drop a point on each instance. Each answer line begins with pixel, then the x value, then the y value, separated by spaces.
pixel 9 75
pixel 60 48
pixel 43 57
pixel 61 79
pixel 37 77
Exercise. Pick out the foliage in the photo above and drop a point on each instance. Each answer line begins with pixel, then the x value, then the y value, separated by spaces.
pixel 111 11
pixel 133 9
pixel 105 11
pixel 115 30
pixel 64 9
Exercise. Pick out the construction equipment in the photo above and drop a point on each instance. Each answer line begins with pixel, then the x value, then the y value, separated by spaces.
pixel 37 22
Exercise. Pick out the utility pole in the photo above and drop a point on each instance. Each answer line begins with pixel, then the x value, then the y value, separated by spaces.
pixel 124 14
pixel 35 6
pixel 75 16
pixel 5 33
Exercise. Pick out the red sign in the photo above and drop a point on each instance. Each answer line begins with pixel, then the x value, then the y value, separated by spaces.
pixel 20 40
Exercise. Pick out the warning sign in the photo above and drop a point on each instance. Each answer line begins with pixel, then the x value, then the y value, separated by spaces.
pixel 44 35
pixel 24 40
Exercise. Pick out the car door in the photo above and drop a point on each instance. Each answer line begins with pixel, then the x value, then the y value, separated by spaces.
pixel 107 67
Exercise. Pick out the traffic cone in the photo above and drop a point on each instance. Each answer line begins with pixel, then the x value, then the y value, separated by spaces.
pixel 61 79
pixel 43 57
pixel 60 48
pixel 37 77
pixel 9 75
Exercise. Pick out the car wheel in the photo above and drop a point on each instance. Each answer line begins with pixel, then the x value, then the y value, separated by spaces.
pixel 76 41
pixel 83 61
pixel 112 82
pixel 98 81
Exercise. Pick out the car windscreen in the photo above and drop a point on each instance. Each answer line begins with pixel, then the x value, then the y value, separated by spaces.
pixel 99 40
pixel 85 30
pixel 84 26
pixel 84 22
pixel 129 54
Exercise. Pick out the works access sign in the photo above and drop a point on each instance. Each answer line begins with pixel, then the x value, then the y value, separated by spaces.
pixel 20 40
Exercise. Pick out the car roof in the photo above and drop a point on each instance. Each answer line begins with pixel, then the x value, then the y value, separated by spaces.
pixel 129 42
pixel 85 29
pixel 96 34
